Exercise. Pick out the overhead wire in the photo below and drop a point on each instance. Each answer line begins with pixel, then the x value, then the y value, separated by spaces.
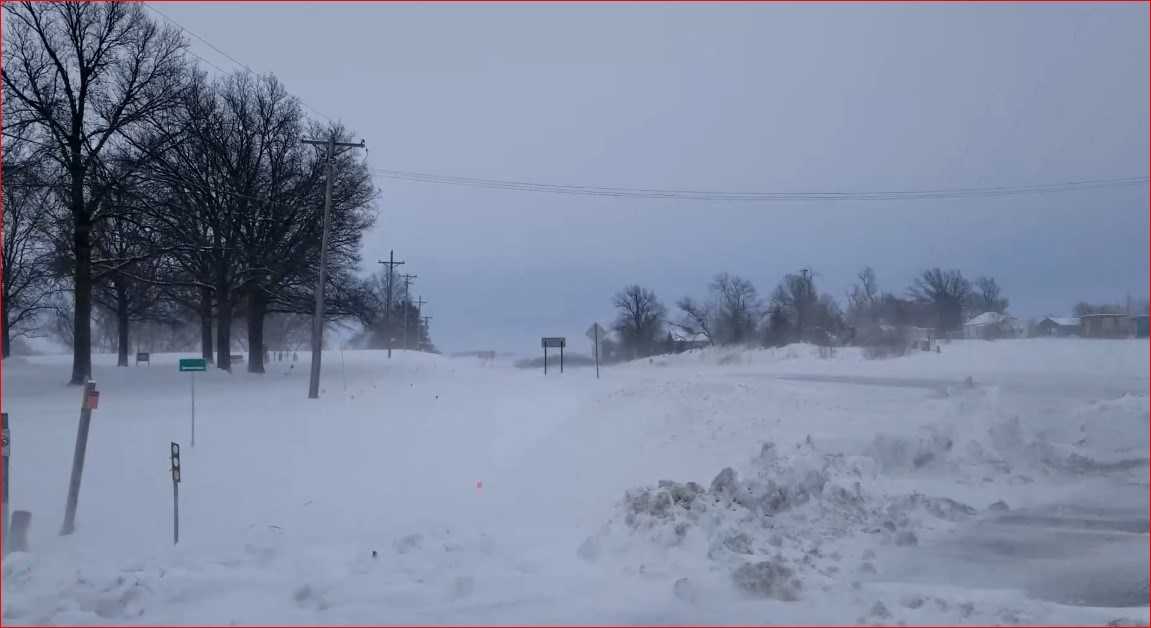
pixel 712 195
pixel 241 64
pixel 702 195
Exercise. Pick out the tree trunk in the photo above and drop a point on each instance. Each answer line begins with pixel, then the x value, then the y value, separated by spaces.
pixel 121 324
pixel 82 247
pixel 223 330
pixel 206 324
pixel 257 309
pixel 7 329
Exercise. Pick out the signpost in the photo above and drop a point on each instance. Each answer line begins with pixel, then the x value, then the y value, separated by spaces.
pixel 175 457
pixel 193 366
pixel 7 449
pixel 553 343
pixel 89 402
pixel 595 333
pixel 142 356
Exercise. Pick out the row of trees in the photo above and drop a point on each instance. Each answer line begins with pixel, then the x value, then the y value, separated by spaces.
pixel 138 189
pixel 734 313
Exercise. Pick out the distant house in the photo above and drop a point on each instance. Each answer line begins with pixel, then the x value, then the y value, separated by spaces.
pixel 1142 324
pixel 1061 326
pixel 686 341
pixel 922 338
pixel 988 326
pixel 1106 326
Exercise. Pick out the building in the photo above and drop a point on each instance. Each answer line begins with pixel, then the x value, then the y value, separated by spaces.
pixel 682 340
pixel 1106 326
pixel 989 326
pixel 1060 326
pixel 1141 323
pixel 921 338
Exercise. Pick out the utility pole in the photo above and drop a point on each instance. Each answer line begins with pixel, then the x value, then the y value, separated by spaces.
pixel 419 311
pixel 318 317
pixel 407 282
pixel 806 297
pixel 391 264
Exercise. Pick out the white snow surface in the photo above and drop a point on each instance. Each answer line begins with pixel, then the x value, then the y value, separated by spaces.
pixel 991 483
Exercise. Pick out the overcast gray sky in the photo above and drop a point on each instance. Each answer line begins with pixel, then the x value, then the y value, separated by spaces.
pixel 736 97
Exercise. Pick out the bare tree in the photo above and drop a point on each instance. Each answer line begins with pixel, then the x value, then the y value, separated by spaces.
pixel 697 317
pixel 987 297
pixel 254 198
pixel 948 292
pixel 737 309
pixel 1084 308
pixel 863 299
pixel 796 297
pixel 640 321
pixel 84 74
pixel 28 287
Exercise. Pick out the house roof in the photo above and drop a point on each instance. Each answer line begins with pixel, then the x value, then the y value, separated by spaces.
pixel 989 318
pixel 1064 321
pixel 680 334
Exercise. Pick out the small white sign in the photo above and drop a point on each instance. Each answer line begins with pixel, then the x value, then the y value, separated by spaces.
pixel 596 333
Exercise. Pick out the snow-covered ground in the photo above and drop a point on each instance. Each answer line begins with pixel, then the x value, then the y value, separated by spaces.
pixel 711 487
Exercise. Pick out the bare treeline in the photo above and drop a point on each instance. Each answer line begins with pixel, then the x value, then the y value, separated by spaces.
pixel 138 190
pixel 733 313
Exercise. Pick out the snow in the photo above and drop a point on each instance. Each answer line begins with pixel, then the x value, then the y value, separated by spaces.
pixel 712 487
pixel 987 318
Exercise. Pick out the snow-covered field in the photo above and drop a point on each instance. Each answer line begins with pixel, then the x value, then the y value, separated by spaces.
pixel 743 487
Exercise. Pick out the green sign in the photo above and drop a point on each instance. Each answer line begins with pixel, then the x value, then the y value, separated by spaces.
pixel 193 364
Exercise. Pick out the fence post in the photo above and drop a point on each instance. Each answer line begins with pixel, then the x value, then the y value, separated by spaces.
pixel 90 401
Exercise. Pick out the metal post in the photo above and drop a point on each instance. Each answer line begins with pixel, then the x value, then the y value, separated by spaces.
pixel 193 376
pixel 175 513
pixel 545 359
pixel 597 351
pixel 174 457
pixel 7 444
pixel 561 358
pixel 78 460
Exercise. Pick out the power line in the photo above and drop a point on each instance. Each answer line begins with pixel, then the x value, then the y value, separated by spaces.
pixel 494 184
pixel 890 195
pixel 243 65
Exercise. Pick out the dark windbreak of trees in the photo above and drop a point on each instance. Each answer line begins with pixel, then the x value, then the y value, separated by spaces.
pixel 937 300
pixel 139 194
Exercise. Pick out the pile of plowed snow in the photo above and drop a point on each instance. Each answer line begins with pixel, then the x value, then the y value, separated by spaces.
pixel 808 518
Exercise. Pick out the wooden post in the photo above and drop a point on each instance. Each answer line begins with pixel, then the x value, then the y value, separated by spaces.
pixel 21 522
pixel 90 401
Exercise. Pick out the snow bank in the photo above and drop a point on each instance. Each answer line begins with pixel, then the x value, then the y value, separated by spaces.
pixel 807 519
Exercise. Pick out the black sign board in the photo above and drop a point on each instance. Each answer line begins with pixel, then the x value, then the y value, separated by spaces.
pixel 553 343
pixel 143 357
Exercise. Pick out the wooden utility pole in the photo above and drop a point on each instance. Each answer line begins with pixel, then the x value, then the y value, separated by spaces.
pixel 391 264
pixel 407 282
pixel 420 303
pixel 419 311
pixel 318 317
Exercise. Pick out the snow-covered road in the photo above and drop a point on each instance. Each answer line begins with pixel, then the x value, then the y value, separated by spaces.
pixel 712 487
